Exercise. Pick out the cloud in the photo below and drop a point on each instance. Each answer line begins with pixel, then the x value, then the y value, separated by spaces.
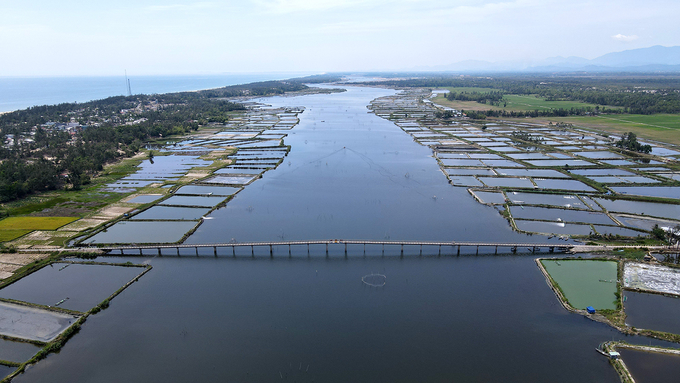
pixel 178 7
pixel 625 38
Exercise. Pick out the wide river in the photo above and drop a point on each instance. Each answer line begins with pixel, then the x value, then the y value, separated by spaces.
pixel 350 175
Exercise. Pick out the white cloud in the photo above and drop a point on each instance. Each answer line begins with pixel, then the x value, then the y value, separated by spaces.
pixel 625 38
pixel 179 7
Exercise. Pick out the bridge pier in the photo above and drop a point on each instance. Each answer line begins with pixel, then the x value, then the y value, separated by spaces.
pixel 514 247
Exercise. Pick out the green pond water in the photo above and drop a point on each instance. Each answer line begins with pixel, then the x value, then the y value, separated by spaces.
pixel 585 282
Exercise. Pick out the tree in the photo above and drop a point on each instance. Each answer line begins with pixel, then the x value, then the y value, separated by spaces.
pixel 629 142
pixel 658 233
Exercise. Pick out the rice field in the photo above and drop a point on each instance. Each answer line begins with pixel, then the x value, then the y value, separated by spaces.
pixel 10 234
pixel 34 223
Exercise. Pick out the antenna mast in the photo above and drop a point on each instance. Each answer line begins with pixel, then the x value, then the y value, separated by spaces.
pixel 127 82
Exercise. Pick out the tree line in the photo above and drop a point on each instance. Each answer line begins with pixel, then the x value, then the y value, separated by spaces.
pixel 56 159
pixel 641 95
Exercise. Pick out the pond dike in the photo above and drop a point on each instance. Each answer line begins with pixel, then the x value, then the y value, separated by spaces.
pixel 618 363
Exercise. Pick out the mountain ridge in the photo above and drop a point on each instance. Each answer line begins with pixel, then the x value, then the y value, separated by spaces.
pixel 656 58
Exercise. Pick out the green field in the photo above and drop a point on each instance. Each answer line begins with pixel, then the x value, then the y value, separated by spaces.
pixel 513 102
pixel 527 103
pixel 34 223
pixel 10 234
pixel 470 89
pixel 659 127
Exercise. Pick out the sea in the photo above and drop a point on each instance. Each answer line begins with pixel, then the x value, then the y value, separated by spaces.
pixel 23 92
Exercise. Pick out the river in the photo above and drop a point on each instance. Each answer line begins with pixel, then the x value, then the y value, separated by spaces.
pixel 351 175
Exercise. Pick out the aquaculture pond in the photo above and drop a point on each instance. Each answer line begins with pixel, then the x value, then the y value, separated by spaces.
pixel 27 322
pixel 650 191
pixel 171 213
pixel 78 287
pixel 6 370
pixel 145 198
pixel 223 191
pixel 128 232
pixel 585 282
pixel 651 367
pixel 17 351
pixel 652 311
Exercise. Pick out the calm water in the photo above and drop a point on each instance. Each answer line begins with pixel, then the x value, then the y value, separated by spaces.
pixel 244 320
pixel 19 93
pixel 652 311
pixel 349 175
pixel 353 175
pixel 648 367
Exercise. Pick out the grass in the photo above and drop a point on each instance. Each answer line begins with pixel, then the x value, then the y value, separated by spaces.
pixel 658 127
pixel 514 102
pixel 34 223
pixel 470 89
pixel 39 206
pixel 11 234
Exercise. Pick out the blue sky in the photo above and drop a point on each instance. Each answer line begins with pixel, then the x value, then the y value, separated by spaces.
pixel 46 38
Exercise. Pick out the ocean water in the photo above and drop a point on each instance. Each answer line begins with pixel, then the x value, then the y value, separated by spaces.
pixel 23 92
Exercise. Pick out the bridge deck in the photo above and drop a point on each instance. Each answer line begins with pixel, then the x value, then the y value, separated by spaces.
pixel 339 242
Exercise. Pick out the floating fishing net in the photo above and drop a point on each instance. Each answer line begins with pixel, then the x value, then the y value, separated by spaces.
pixel 374 280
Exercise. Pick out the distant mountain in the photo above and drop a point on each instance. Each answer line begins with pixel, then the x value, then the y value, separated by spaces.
pixel 653 59
pixel 656 55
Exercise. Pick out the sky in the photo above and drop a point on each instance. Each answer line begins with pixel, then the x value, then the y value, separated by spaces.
pixel 147 37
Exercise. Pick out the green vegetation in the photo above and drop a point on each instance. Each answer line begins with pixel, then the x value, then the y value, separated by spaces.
pixel 629 142
pixel 35 223
pixel 642 95
pixel 65 145
pixel 10 234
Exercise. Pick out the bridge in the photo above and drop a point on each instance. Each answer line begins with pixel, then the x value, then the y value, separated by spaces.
pixel 512 247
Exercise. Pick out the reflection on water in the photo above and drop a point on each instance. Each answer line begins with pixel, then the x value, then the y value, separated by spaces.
pixel 353 175
pixel 435 319
pixel 652 311
pixel 649 367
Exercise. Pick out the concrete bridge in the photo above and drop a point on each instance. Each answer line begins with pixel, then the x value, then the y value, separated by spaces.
pixel 512 247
